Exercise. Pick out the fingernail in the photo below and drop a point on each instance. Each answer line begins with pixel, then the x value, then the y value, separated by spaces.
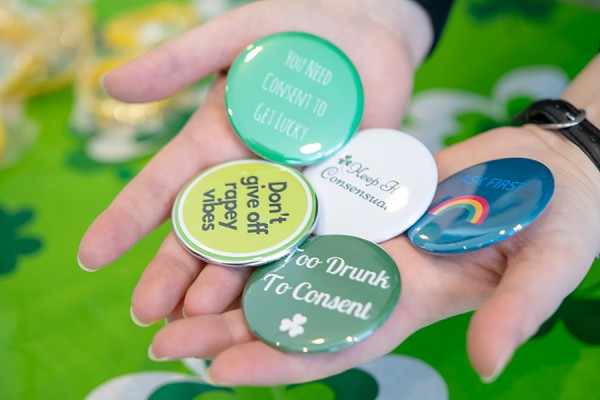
pixel 502 362
pixel 136 320
pixel 210 380
pixel 83 267
pixel 153 357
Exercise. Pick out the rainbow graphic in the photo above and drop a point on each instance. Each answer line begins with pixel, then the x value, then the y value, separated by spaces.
pixel 477 207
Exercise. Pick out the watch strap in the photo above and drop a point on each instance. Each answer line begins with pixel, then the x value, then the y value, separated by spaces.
pixel 565 118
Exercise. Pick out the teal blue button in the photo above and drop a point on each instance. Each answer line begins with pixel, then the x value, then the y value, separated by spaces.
pixel 331 293
pixel 483 205
pixel 293 98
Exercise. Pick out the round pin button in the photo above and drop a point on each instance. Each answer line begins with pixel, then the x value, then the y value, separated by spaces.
pixel 483 204
pixel 376 187
pixel 331 293
pixel 247 212
pixel 293 98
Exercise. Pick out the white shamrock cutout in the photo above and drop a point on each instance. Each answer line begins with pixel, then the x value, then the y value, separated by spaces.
pixel 293 326
pixel 433 113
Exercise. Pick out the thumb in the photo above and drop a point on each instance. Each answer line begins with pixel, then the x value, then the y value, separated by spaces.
pixel 531 290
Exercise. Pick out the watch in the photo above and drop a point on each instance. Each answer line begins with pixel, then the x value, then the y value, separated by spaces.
pixel 562 116
pixel 565 118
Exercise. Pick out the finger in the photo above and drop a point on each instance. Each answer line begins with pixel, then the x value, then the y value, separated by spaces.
pixel 256 363
pixel 240 359
pixel 201 336
pixel 146 201
pixel 536 281
pixel 164 282
pixel 215 289
pixel 227 339
pixel 213 47
pixel 176 314
pixel 197 53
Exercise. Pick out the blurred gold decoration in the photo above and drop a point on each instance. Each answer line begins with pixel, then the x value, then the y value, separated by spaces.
pixel 149 26
pixel 2 139
pixel 102 112
pixel 17 132
pixel 17 58
pixel 41 50
pixel 116 131
pixel 65 42
pixel 45 48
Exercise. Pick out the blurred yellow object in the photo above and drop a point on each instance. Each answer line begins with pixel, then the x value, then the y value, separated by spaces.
pixel 149 26
pixel 40 51
pixel 2 139
pixel 116 131
pixel 17 132
pixel 12 26
pixel 17 58
pixel 98 111
pixel 62 46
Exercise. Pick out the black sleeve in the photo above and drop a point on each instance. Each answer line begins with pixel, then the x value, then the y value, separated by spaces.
pixel 438 11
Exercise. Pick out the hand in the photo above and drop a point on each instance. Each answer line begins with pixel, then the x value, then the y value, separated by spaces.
pixel 516 284
pixel 374 36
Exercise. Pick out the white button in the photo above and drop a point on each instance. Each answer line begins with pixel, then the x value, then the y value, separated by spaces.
pixel 376 187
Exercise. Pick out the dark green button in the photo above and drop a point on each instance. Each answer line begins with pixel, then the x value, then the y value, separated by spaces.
pixel 331 293
pixel 293 98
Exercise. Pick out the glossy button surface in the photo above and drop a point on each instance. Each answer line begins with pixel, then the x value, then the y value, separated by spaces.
pixel 247 212
pixel 483 204
pixel 293 98
pixel 332 292
pixel 376 187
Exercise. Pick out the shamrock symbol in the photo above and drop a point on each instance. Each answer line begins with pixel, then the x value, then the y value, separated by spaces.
pixel 531 9
pixel 347 160
pixel 15 243
pixel 442 117
pixel 581 317
pixel 293 326
pixel 408 378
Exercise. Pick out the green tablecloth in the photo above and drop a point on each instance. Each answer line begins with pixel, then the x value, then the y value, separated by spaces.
pixel 67 334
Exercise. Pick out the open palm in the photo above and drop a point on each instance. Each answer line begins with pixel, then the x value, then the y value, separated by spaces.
pixel 368 34
pixel 517 283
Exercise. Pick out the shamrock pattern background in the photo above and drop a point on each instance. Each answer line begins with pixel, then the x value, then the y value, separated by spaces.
pixel 15 242
pixel 67 334
pixel 443 117
pixel 392 377
pixel 580 314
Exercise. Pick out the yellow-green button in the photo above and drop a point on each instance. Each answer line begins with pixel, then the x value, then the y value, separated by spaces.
pixel 246 212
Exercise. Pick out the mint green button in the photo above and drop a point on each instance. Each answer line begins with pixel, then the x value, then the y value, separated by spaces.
pixel 293 98
pixel 331 293
pixel 246 212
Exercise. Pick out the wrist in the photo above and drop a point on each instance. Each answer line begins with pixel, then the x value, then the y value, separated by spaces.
pixel 578 169
pixel 571 153
pixel 405 20
pixel 584 94
pixel 577 145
